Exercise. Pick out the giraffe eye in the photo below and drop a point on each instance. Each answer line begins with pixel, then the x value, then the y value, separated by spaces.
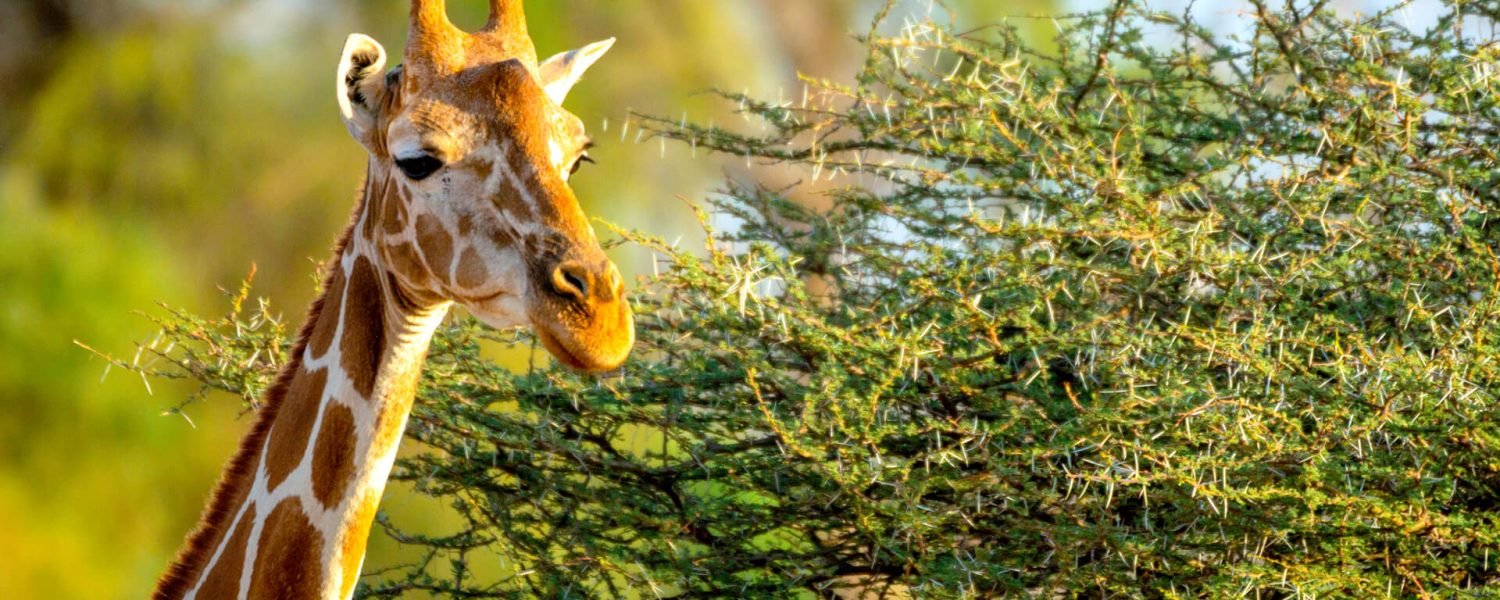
pixel 578 164
pixel 419 167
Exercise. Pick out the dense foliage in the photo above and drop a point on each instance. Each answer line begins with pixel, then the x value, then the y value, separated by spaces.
pixel 1208 317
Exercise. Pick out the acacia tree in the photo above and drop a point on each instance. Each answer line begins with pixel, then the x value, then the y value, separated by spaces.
pixel 1206 318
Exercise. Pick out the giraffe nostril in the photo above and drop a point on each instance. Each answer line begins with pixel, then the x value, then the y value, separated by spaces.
pixel 571 280
pixel 614 284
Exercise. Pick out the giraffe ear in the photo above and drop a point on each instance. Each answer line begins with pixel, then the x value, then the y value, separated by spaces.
pixel 361 85
pixel 559 73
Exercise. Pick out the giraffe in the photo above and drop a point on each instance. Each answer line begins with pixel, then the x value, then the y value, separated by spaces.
pixel 466 201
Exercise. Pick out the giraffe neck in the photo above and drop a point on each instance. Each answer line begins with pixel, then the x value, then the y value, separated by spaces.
pixel 293 511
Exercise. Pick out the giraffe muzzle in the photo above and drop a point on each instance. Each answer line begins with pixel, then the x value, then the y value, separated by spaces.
pixel 583 316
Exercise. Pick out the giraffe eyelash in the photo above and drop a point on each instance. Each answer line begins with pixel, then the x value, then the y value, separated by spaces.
pixel 578 164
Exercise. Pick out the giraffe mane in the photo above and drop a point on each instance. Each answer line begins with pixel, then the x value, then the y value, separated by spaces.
pixel 237 477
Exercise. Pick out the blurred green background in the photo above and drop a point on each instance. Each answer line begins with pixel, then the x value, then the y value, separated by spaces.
pixel 153 151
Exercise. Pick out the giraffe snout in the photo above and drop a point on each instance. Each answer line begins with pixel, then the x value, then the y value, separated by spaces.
pixel 584 318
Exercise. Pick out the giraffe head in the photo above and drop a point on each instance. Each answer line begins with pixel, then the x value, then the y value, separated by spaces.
pixel 468 201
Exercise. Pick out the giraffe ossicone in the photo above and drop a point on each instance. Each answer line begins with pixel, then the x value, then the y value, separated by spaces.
pixel 466 201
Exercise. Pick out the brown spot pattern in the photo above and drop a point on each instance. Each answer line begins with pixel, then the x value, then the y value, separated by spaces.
pixel 328 318
pixel 333 455
pixel 437 245
pixel 224 580
pixel 371 213
pixel 288 560
pixel 402 258
pixel 352 547
pixel 394 215
pixel 483 170
pixel 472 272
pixel 294 421
pixel 364 329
